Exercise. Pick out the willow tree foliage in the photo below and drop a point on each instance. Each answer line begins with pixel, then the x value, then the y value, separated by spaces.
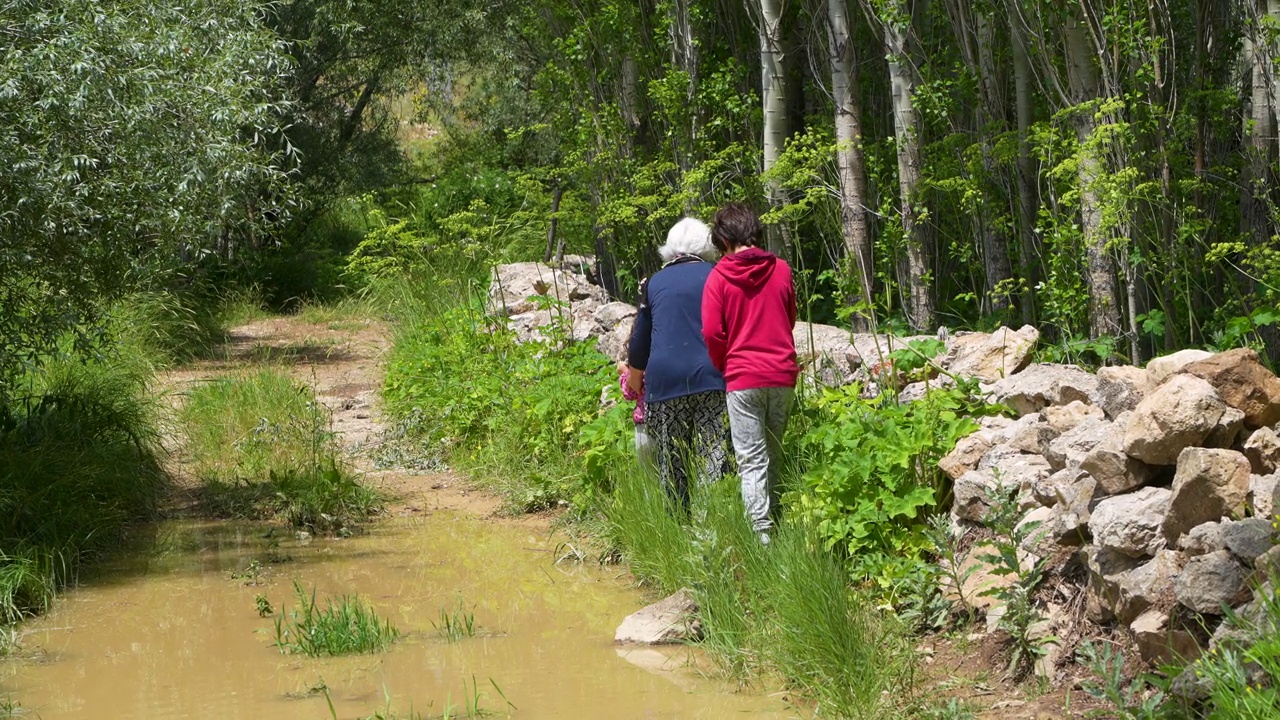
pixel 125 136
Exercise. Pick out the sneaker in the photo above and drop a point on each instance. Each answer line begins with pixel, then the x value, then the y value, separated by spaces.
pixel 764 538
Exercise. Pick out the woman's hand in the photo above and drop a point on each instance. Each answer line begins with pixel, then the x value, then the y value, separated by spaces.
pixel 635 380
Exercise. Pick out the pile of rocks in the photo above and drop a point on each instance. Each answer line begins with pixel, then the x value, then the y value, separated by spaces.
pixel 1164 479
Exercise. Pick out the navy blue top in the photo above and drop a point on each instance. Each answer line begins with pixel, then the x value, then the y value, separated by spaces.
pixel 666 341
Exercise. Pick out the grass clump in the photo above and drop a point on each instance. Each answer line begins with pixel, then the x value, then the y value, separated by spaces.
pixel 345 626
pixel 786 609
pixel 79 453
pixel 456 624
pixel 262 446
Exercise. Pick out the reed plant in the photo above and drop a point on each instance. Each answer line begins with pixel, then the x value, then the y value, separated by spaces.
pixel 456 624
pixel 344 626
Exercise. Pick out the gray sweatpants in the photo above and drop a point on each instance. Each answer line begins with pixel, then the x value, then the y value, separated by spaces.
pixel 757 420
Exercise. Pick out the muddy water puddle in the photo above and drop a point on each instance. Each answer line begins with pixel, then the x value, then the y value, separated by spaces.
pixel 168 632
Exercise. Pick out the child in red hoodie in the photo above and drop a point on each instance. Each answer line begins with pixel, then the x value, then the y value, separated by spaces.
pixel 748 313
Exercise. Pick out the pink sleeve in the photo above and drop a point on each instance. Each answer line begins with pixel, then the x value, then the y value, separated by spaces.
pixel 626 391
pixel 713 330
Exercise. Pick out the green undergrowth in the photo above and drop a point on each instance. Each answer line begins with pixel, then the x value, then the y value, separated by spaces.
pixel 508 414
pixel 79 462
pixel 262 446
pixel 344 626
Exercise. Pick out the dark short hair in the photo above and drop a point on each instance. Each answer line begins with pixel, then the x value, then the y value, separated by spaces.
pixel 736 225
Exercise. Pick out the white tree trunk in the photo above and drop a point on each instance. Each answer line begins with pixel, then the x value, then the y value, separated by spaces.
pixel 773 81
pixel 907 127
pixel 850 162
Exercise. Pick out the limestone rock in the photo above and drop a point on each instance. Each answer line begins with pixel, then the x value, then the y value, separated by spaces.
pixel 1210 582
pixel 670 620
pixel 1148 585
pixel 1121 388
pixel 1262 447
pixel 1209 484
pixel 1159 643
pixel 824 346
pixel 1248 539
pixel 1224 434
pixel 1073 512
pixel 1042 385
pixel 1115 471
pixel 1180 413
pixel 1065 417
pixel 992 428
pixel 1106 568
pixel 1243 383
pixel 1204 539
pixel 511 287
pixel 965 456
pixel 991 357
pixel 973 493
pixel 1264 491
pixel 1071 448
pixel 1159 369
pixel 1033 437
pixel 610 314
pixel 1051 490
pixel 1130 524
pixel 1014 469
pixel 614 343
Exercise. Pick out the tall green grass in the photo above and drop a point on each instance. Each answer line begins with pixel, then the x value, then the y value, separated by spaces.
pixel 784 609
pixel 79 461
pixel 344 626
pixel 261 444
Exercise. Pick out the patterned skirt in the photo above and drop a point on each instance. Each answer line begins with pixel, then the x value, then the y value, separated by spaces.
pixel 689 430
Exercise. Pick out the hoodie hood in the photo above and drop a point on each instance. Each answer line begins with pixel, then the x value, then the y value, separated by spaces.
pixel 748 268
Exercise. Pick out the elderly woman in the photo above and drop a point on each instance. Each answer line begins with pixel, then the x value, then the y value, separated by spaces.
pixel 683 391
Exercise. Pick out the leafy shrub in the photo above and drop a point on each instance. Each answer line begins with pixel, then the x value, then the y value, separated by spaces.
pixel 511 413
pixel 872 473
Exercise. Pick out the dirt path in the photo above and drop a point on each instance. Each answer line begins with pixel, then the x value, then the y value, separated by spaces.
pixel 342 361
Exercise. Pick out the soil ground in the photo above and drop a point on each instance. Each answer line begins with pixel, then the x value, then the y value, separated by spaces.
pixel 342 361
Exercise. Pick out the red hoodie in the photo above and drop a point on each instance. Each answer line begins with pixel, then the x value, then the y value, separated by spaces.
pixel 748 312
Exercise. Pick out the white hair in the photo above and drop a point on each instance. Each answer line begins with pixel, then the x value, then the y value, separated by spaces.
pixel 688 237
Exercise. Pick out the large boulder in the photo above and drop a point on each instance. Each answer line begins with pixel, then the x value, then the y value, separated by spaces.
pixel 1211 582
pixel 609 315
pixel 1243 383
pixel 1032 437
pixel 1121 388
pixel 1209 484
pixel 1224 434
pixel 1159 369
pixel 1051 490
pixel 991 357
pixel 1180 413
pixel 670 620
pixel 1073 512
pixel 973 494
pixel 1015 470
pixel 514 288
pixel 1042 385
pixel 1131 524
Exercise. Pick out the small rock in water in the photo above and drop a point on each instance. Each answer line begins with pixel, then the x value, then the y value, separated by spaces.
pixel 670 620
